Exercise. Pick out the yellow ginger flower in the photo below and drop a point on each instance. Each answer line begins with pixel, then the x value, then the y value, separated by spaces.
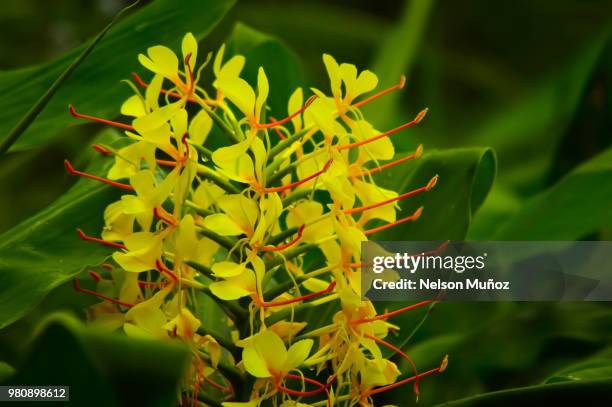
pixel 267 225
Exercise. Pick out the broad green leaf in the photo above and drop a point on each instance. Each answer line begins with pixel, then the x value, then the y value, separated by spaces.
pixel 465 177
pixel 575 206
pixel 279 62
pixel 558 394
pixel 45 251
pixel 95 88
pixel 102 368
pixel 596 368
pixel 526 133
pixel 6 371
pixel 396 57
pixel 40 104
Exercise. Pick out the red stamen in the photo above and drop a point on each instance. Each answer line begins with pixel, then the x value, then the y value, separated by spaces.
pixel 164 216
pixel 391 314
pixel 77 287
pixel 416 120
pixel 163 269
pixel 414 156
pixel 286 245
pixel 143 84
pixel 412 217
pixel 99 120
pixel 101 149
pixel 439 369
pixel 72 171
pixel 296 393
pixel 101 241
pixel 191 80
pixel 275 123
pixel 264 304
pixel 278 132
pixel 402 354
pixel 186 144
pixel 107 266
pixel 300 182
pixel 432 182
pixel 96 276
pixel 383 92
pixel 217 385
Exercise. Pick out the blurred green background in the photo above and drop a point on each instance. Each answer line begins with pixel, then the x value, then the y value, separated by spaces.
pixel 531 80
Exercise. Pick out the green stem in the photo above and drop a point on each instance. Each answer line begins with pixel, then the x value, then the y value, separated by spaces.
pixel 289 254
pixel 213 176
pixel 296 196
pixel 280 237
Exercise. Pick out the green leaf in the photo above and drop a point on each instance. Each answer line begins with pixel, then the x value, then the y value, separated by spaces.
pixel 396 57
pixel 95 88
pixel 6 371
pixel 103 368
pixel 465 178
pixel 45 251
pixel 595 368
pixel 575 206
pixel 562 394
pixel 40 104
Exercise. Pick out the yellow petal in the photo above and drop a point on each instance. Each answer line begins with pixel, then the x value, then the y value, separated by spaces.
pixel 222 224
pixel 243 211
pixel 296 100
pixel 190 46
pixel 333 70
pixel 297 354
pixel 207 194
pixel 226 269
pixel 239 92
pixel 200 127
pixel 263 89
pixel 133 106
pixel 254 363
pixel 161 60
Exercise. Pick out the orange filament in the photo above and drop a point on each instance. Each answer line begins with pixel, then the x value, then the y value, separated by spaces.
pixel 416 120
pixel 383 92
pixel 321 387
pixel 391 314
pixel 96 276
pixel 374 170
pixel 161 214
pixel 107 266
pixel 275 123
pixel 143 84
pixel 217 385
pixel 99 120
pixel 286 245
pixel 402 354
pixel 413 217
pixel 72 171
pixel 432 182
pixel 161 267
pixel 101 149
pixel 300 182
pixel 142 284
pixel 77 287
pixel 439 369
pixel 101 241
pixel 278 132
pixel 264 304
pixel 191 81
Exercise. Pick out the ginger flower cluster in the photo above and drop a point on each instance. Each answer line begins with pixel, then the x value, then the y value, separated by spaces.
pixel 267 228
